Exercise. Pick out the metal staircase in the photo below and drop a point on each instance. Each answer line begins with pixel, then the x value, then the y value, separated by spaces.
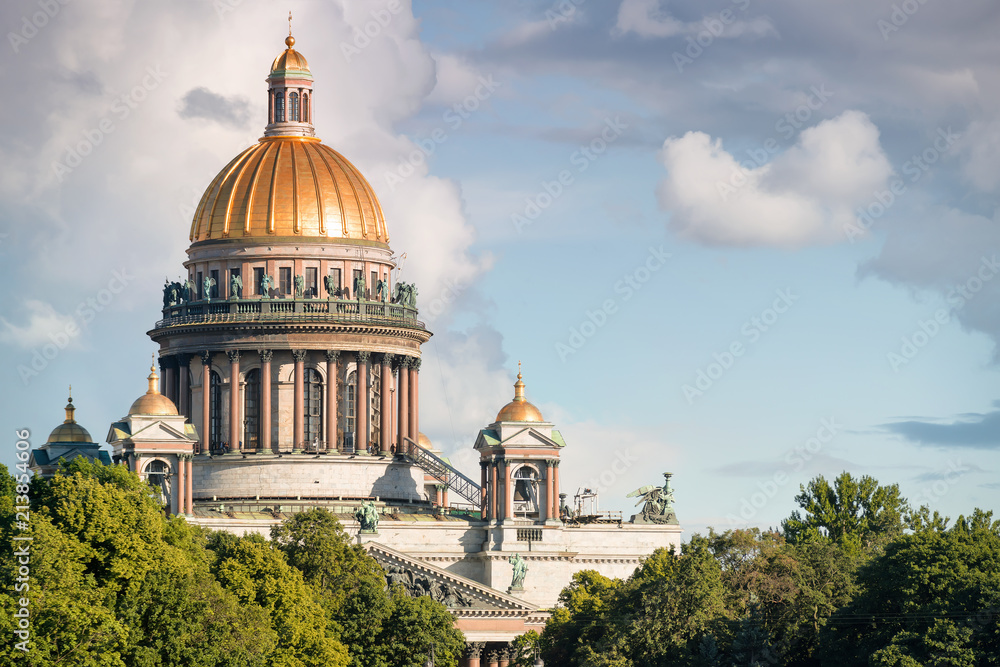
pixel 456 481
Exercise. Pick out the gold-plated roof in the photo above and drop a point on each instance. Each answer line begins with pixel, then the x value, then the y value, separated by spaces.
pixel 289 187
pixel 69 430
pixel 519 410
pixel 424 441
pixel 153 402
pixel 290 60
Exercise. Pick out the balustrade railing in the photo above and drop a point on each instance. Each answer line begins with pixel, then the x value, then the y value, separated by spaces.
pixel 290 310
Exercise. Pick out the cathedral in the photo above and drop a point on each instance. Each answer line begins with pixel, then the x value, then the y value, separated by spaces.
pixel 288 378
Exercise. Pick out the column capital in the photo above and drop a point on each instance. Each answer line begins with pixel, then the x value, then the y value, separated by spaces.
pixel 332 356
pixel 403 361
pixel 387 359
pixel 206 358
pixel 234 356
pixel 415 364
pixel 299 355
pixel 554 463
pixel 475 649
pixel 183 358
pixel 162 362
pixel 364 356
pixel 265 356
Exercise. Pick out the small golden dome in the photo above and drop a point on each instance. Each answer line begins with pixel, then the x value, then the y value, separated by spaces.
pixel 69 430
pixel 424 441
pixel 290 61
pixel 519 410
pixel 293 188
pixel 153 402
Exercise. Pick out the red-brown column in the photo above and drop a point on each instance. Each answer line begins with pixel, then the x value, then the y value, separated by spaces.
pixel 206 404
pixel 190 484
pixel 403 401
pixel 484 510
pixel 385 406
pixel 494 491
pixel 414 417
pixel 508 495
pixel 181 485
pixel 475 651
pixel 332 371
pixel 265 399
pixel 298 418
pixel 555 488
pixel 546 509
pixel 183 384
pixel 361 407
pixel 234 400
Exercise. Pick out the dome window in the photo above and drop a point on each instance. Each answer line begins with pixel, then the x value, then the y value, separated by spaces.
pixel 293 107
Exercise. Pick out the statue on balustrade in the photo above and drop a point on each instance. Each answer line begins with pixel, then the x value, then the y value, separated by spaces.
pixel 235 286
pixel 360 286
pixel 520 570
pixel 331 286
pixel 208 283
pixel 367 516
pixel 382 290
pixel 266 283
pixel 300 284
pixel 187 290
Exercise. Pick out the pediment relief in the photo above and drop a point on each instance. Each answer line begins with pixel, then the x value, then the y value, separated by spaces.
pixel 455 592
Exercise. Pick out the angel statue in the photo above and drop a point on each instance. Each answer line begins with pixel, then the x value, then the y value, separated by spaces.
pixel 658 503
pixel 207 284
pixel 266 283
pixel 360 286
pixel 367 516
pixel 331 286
pixel 235 286
pixel 382 290
pixel 300 284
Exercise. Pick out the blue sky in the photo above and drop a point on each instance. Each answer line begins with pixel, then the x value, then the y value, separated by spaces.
pixel 533 158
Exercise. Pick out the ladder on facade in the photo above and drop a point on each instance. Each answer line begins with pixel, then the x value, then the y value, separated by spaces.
pixel 442 471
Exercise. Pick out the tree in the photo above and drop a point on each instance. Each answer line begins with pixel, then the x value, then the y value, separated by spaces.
pixel 857 512
pixel 931 598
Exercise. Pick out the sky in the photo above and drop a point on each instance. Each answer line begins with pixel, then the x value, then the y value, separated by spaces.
pixel 747 242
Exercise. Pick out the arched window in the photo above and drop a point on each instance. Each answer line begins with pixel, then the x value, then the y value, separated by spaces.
pixel 279 107
pixel 158 477
pixel 314 409
pixel 293 107
pixel 305 107
pixel 251 410
pixel 350 425
pixel 525 481
pixel 214 411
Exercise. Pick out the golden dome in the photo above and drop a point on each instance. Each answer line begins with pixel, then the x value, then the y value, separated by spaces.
pixel 290 188
pixel 69 430
pixel 153 402
pixel 519 410
pixel 290 61
pixel 424 441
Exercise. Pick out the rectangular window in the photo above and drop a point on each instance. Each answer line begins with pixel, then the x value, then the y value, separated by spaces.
pixel 198 286
pixel 258 277
pixel 234 273
pixel 279 107
pixel 373 285
pixel 312 278
pixel 215 283
pixel 285 280
pixel 336 279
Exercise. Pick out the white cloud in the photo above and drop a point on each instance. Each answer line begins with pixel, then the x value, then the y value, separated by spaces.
pixel 44 325
pixel 981 145
pixel 803 196
pixel 647 19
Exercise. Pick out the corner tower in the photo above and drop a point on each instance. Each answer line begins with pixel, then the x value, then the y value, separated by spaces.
pixel 288 335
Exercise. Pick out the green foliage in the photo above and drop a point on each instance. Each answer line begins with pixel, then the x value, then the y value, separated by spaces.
pixel 855 512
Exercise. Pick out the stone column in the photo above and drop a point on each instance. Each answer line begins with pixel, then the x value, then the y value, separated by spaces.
pixel 169 374
pixel 414 417
pixel 234 400
pixel 545 509
pixel 494 491
pixel 361 407
pixel 183 385
pixel 494 659
pixel 206 404
pixel 265 399
pixel 504 657
pixel 332 372
pixel 298 417
pixel 385 405
pixel 474 652
pixel 190 482
pixel 403 401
